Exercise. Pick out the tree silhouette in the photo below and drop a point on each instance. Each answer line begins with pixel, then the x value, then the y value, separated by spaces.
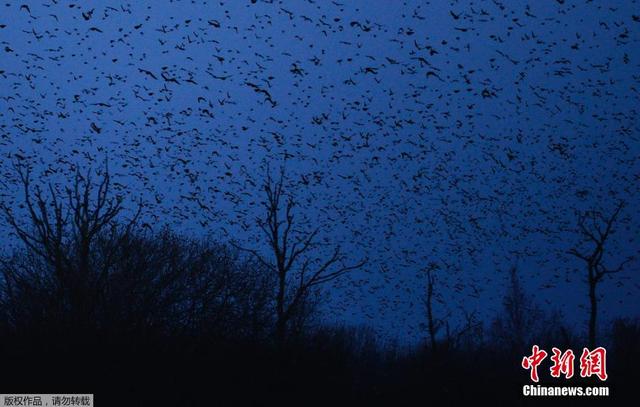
pixel 595 228
pixel 155 305
pixel 84 268
pixel 521 317
pixel 295 256
pixel 432 325
pixel 62 228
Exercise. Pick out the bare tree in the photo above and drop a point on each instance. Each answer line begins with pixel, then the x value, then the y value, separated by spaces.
pixel 432 325
pixel 520 320
pixel 84 268
pixel 520 313
pixel 61 229
pixel 298 269
pixel 595 228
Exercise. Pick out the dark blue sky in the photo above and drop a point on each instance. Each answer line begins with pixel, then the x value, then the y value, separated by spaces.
pixel 465 133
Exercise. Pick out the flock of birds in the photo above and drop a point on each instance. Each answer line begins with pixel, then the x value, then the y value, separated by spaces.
pixel 465 133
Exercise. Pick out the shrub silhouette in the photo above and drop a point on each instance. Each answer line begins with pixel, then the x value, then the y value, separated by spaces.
pixel 94 301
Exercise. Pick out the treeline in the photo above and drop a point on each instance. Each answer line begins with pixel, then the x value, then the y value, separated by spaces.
pixel 96 302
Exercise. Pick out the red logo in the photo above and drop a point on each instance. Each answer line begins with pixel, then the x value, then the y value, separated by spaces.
pixel 532 362
pixel 592 363
pixel 562 363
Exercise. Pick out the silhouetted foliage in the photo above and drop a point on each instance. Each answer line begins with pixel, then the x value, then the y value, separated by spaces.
pixel 433 325
pixel 147 317
pixel 294 256
pixel 595 229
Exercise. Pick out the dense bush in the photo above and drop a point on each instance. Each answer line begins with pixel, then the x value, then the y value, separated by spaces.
pixel 94 303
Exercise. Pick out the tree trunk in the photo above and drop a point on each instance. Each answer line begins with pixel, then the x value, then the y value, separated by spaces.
pixel 594 310
pixel 432 329
pixel 281 323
